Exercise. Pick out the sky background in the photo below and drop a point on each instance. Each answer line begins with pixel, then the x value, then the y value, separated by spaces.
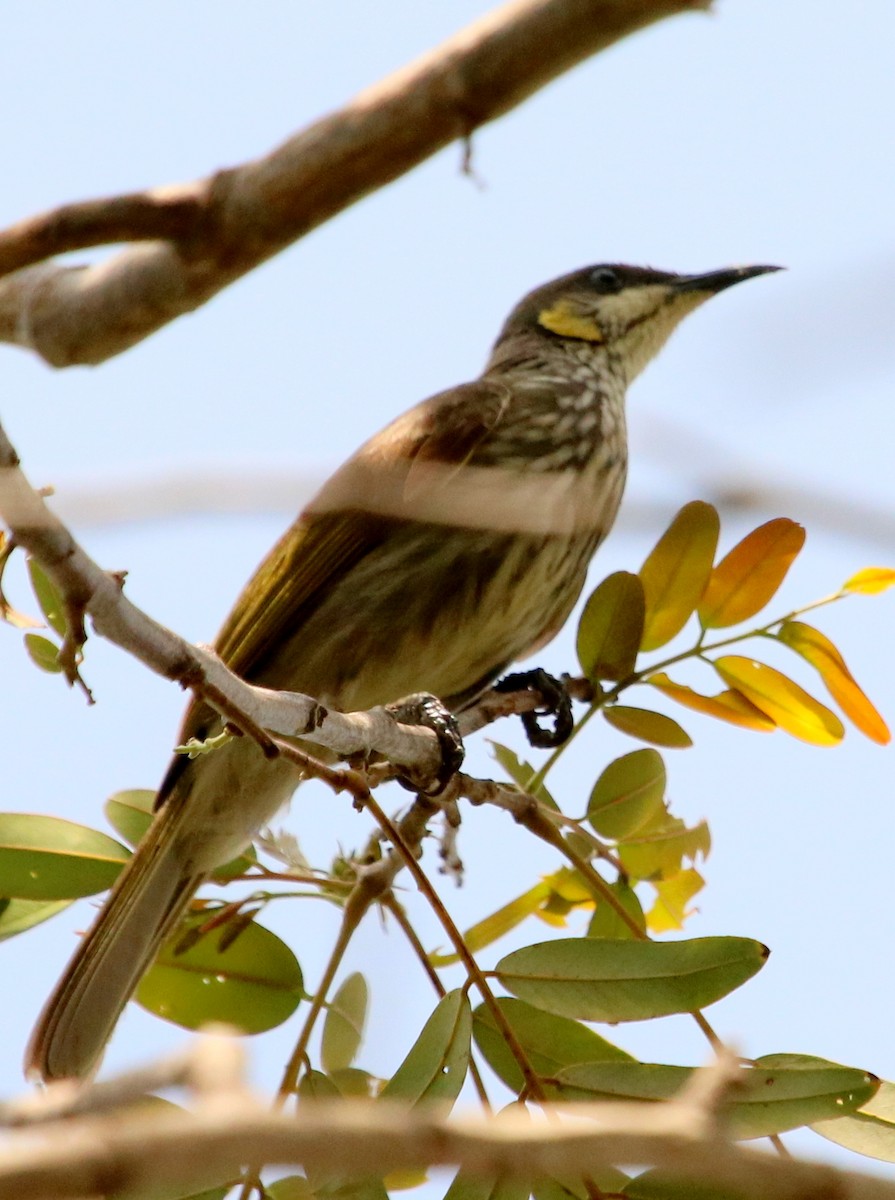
pixel 761 133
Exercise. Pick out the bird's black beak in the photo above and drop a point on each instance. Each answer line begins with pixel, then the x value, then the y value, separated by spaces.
pixel 717 281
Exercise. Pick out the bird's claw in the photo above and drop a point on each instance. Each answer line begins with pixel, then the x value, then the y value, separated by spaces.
pixel 556 703
pixel 427 710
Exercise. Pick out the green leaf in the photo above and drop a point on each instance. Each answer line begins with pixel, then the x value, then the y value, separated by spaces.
pixel 291 1187
pixel 172 1191
pixel 606 923
pixel 870 1130
pixel 550 1042
pixel 236 866
pixel 782 699
pixel 46 858
pixel 218 1193
pixel 480 1187
pixel 648 726
pixel 611 627
pixel 521 773
pixel 619 1081
pixel 778 1093
pixel 436 1064
pixel 18 915
pixel 750 574
pixel 677 571
pixel 48 597
pixel 620 980
pixel 353 1187
pixel 658 1185
pixel 606 1179
pixel 789 1090
pixel 628 794
pixel 254 984
pixel 314 1086
pixel 43 653
pixel 354 1083
pixel 343 1029
pixel 130 813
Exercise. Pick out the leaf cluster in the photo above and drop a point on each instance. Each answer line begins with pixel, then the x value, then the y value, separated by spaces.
pixel 533 1025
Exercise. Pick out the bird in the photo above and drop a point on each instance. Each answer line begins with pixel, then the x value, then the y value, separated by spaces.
pixel 451 544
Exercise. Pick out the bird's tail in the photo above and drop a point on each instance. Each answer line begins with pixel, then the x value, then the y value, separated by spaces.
pixel 146 902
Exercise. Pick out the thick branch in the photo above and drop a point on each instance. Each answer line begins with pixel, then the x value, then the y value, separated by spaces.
pixel 199 237
pixel 98 1152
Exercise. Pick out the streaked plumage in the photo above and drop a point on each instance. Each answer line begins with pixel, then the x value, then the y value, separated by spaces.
pixel 453 543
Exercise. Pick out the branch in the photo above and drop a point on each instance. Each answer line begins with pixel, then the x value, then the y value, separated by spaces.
pixel 199 237
pixel 77 1147
pixel 87 589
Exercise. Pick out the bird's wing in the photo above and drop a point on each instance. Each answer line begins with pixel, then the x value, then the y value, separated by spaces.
pixel 342 525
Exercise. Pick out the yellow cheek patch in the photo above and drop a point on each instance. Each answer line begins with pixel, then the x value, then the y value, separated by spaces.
pixel 562 319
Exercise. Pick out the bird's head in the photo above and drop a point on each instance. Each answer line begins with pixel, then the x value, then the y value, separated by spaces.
pixel 629 312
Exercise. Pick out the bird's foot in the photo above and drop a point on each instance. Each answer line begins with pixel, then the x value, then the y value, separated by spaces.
pixel 556 703
pixel 425 709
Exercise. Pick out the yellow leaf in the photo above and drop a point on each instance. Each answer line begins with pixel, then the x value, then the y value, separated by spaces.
pixel 782 699
pixel 731 706
pixel 7 612
pixel 396 1181
pixel 870 580
pixel 610 628
pixel 676 572
pixel 648 726
pixel 817 649
pixel 569 885
pixel 672 897
pixel 749 575
pixel 492 927
pixel 659 855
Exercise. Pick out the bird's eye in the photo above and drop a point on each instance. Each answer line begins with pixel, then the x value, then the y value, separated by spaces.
pixel 605 279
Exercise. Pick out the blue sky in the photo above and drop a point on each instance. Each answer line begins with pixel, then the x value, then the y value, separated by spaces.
pixel 758 134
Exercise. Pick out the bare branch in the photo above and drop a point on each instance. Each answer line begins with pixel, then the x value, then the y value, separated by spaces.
pixel 89 590
pixel 199 237
pixel 82 1149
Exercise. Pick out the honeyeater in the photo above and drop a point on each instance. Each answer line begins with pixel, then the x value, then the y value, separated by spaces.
pixel 451 544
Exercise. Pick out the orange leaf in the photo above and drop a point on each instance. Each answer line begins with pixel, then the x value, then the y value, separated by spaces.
pixel 676 572
pixel 749 575
pixel 817 649
pixel 782 699
pixel 731 706
pixel 648 726
pixel 870 580
pixel 610 628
